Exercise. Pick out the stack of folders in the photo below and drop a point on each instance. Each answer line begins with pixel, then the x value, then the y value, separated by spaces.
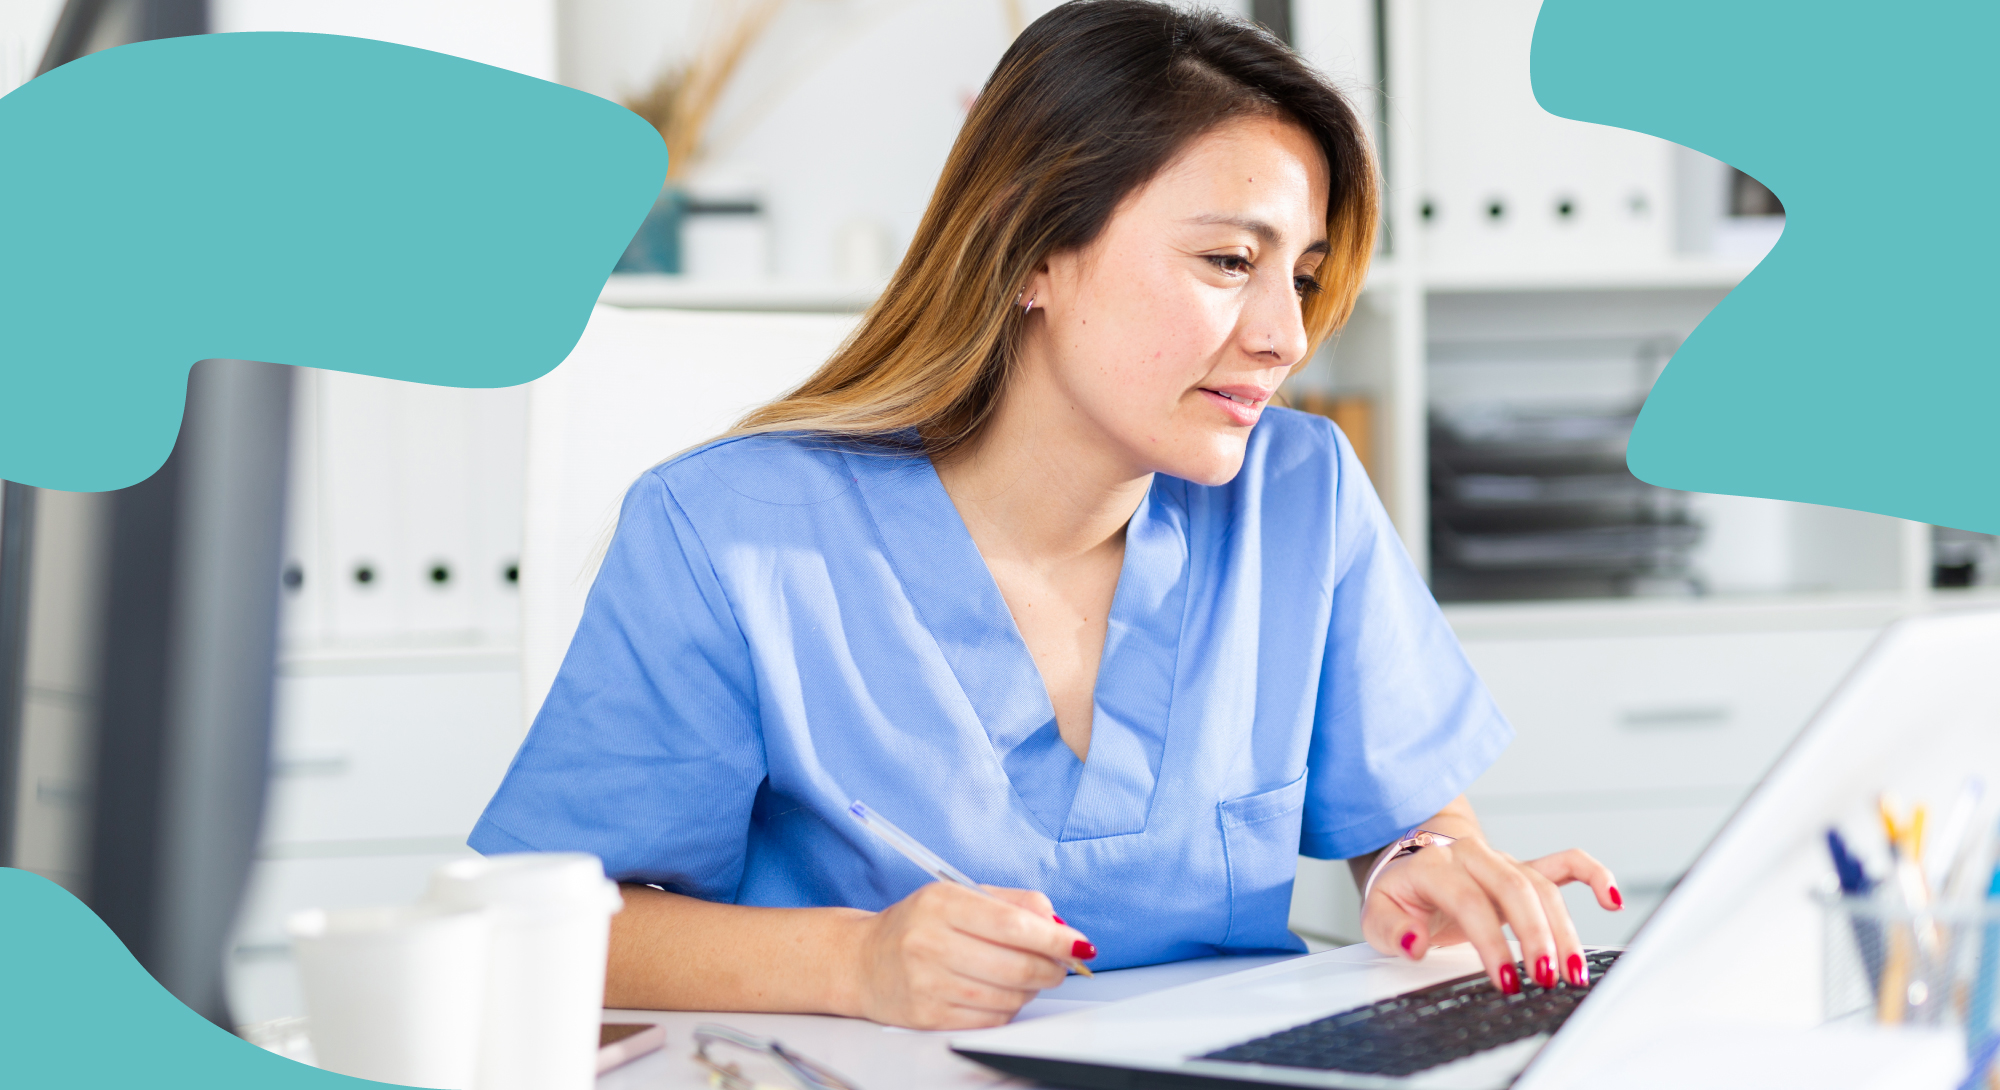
pixel 1537 503
pixel 1925 925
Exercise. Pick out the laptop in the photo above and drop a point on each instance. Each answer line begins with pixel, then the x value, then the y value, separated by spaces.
pixel 1736 944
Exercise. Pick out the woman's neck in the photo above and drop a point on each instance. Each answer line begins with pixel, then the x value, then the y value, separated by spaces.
pixel 1039 485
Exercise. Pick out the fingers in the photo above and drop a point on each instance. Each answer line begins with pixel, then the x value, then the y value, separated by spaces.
pixel 947 957
pixel 1470 907
pixel 1467 891
pixel 1004 967
pixel 1433 896
pixel 1569 963
pixel 1033 900
pixel 937 997
pixel 1022 920
pixel 1576 865
pixel 1513 891
pixel 1396 926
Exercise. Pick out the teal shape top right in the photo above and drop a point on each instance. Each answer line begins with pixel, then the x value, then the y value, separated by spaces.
pixel 1855 367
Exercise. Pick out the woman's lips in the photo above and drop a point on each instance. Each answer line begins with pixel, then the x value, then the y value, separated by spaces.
pixel 1242 407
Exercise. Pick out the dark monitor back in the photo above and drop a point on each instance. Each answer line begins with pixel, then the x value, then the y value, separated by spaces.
pixel 185 604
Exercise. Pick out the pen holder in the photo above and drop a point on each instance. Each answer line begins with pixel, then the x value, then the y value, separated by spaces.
pixel 1901 966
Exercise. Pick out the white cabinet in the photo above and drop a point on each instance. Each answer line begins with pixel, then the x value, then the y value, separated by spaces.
pixel 1653 716
pixel 380 765
pixel 389 751
pixel 1637 748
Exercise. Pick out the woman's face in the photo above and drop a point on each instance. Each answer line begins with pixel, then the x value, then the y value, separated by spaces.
pixel 1167 335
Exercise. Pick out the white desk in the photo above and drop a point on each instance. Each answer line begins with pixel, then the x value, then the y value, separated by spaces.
pixel 1725 1054
pixel 880 1058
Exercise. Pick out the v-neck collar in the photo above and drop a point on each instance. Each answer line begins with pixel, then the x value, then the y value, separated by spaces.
pixel 954 595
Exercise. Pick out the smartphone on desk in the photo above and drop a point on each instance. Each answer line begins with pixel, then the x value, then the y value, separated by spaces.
pixel 620 1043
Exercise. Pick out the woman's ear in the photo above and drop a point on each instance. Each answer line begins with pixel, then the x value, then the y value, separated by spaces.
pixel 1037 291
pixel 1053 282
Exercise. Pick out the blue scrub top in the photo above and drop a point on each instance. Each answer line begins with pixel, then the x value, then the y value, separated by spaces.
pixel 783 625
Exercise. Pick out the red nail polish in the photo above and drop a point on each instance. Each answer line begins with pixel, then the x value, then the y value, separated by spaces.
pixel 1082 950
pixel 1545 971
pixel 1510 979
pixel 1409 941
pixel 1060 920
pixel 1617 898
pixel 1579 975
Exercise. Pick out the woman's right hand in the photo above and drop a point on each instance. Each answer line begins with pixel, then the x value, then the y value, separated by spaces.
pixel 946 958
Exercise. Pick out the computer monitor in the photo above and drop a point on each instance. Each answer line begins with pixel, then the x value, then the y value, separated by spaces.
pixel 186 667
pixel 182 599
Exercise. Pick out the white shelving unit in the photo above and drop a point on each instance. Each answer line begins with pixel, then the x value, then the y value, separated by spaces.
pixel 398 700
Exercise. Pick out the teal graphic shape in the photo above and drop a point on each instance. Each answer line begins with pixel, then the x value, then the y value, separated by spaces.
pixel 1855 367
pixel 77 1010
pixel 304 199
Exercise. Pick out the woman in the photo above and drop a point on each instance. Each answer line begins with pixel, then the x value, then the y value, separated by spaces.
pixel 1030 567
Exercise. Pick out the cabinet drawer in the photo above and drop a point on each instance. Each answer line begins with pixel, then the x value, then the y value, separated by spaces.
pixel 1647 848
pixel 1655 713
pixel 372 757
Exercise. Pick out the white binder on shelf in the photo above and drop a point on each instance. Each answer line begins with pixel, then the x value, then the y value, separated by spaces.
pixel 434 485
pixel 305 574
pixel 499 433
pixel 1512 188
pixel 363 518
pixel 1338 37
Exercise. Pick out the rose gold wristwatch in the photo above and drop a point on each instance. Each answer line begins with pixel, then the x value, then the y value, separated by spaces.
pixel 1412 842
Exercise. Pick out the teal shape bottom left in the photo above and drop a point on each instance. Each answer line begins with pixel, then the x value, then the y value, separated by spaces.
pixel 78 1010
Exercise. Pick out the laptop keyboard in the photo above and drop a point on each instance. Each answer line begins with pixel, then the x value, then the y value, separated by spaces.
pixel 1416 1030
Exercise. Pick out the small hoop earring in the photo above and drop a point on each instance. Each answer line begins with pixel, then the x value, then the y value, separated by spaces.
pixel 1028 306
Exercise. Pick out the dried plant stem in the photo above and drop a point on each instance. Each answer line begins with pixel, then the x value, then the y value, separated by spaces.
pixel 681 101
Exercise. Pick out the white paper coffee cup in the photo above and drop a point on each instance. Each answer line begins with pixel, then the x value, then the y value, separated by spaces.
pixel 394 994
pixel 551 916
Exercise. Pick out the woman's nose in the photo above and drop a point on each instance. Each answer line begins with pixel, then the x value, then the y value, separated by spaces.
pixel 1274 325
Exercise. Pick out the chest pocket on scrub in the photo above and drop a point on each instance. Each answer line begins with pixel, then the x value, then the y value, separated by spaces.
pixel 1260 841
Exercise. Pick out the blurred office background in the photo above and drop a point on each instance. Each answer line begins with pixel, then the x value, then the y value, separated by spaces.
pixel 1655 650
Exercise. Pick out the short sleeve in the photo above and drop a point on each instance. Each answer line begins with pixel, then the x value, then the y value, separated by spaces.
pixel 647 750
pixel 1402 725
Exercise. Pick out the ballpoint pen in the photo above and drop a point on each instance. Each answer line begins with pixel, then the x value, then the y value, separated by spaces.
pixel 1950 851
pixel 1907 883
pixel 1855 884
pixel 1979 1017
pixel 932 864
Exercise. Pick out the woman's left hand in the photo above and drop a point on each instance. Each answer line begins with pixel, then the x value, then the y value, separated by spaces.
pixel 1463 892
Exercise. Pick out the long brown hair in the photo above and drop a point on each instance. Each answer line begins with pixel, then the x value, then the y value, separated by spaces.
pixel 1087 105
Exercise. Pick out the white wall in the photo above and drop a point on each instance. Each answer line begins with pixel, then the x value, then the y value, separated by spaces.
pixel 839 119
pixel 515 34
pixel 25 26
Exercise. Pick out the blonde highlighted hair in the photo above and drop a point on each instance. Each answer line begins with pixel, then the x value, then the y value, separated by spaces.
pixel 1087 105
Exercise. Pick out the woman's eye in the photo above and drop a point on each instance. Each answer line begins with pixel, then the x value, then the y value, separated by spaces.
pixel 1306 286
pixel 1233 264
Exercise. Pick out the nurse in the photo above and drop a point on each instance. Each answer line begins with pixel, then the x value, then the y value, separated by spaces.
pixel 1033 568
